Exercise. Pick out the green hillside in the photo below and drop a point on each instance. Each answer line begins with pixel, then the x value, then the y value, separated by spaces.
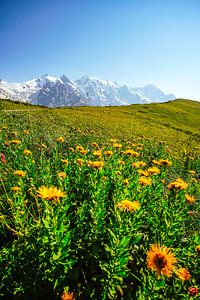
pixel 176 122
pixel 100 202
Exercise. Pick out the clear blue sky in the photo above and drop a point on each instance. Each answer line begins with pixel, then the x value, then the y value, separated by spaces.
pixel 135 42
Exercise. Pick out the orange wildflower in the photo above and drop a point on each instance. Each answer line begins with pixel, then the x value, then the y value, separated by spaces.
pixel 143 172
pixel 145 181
pixel 183 274
pixel 20 173
pixel 108 152
pixel 51 193
pixel 15 189
pixel 26 132
pixel 131 153
pixel 198 249
pixel 153 170
pixel 190 199
pixel 117 146
pixel 27 152
pixel 126 182
pixel 60 139
pixel 97 153
pixel 67 296
pixel 62 175
pixel 160 259
pixel 15 142
pixel 65 161
pixel 80 162
pixel 127 205
pixel 94 144
pixel 96 164
pixel 178 184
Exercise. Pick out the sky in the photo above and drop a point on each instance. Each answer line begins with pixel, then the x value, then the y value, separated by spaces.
pixel 134 42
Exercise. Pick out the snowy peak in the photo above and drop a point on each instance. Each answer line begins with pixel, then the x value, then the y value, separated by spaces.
pixel 61 91
pixel 153 94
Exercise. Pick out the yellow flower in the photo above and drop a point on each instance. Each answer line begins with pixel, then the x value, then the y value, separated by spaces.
pixel 97 153
pixel 44 146
pixel 26 132
pixel 83 151
pixel 126 182
pixel 165 162
pixel 139 148
pixel 15 142
pixel 160 259
pixel 121 162
pixel 79 148
pixel 183 274
pixel 143 173
pixel 156 162
pixel 190 199
pixel 51 193
pixel 134 145
pixel 60 139
pixel 135 165
pixel 15 133
pixel 94 144
pixel 131 153
pixel 80 162
pixel 65 161
pixel 118 173
pixel 198 249
pixel 145 181
pixel 27 152
pixel 67 296
pixel 71 149
pixel 96 164
pixel 142 164
pixel 178 184
pixel 139 164
pixel 127 205
pixel 108 152
pixel 20 173
pixel 62 175
pixel 15 189
pixel 117 146
pixel 113 140
pixel 153 170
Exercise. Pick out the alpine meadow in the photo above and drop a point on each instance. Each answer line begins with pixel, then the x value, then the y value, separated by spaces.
pixel 100 202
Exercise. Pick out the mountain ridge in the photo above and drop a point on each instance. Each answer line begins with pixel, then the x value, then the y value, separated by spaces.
pixel 87 91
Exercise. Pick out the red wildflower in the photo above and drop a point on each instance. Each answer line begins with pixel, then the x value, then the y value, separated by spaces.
pixel 3 158
pixel 193 291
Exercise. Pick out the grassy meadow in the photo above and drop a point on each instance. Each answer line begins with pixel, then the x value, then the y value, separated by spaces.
pixel 100 202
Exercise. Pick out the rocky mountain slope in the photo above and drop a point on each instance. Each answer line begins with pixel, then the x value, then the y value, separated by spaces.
pixel 61 91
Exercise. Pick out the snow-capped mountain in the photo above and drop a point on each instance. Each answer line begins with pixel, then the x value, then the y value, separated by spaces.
pixel 61 91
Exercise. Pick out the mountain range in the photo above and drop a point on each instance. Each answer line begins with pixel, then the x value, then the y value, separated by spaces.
pixel 61 91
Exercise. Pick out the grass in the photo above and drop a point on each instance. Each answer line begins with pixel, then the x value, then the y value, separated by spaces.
pixel 87 217
pixel 176 122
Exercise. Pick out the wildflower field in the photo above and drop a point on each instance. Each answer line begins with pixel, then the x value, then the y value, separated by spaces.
pixel 97 204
